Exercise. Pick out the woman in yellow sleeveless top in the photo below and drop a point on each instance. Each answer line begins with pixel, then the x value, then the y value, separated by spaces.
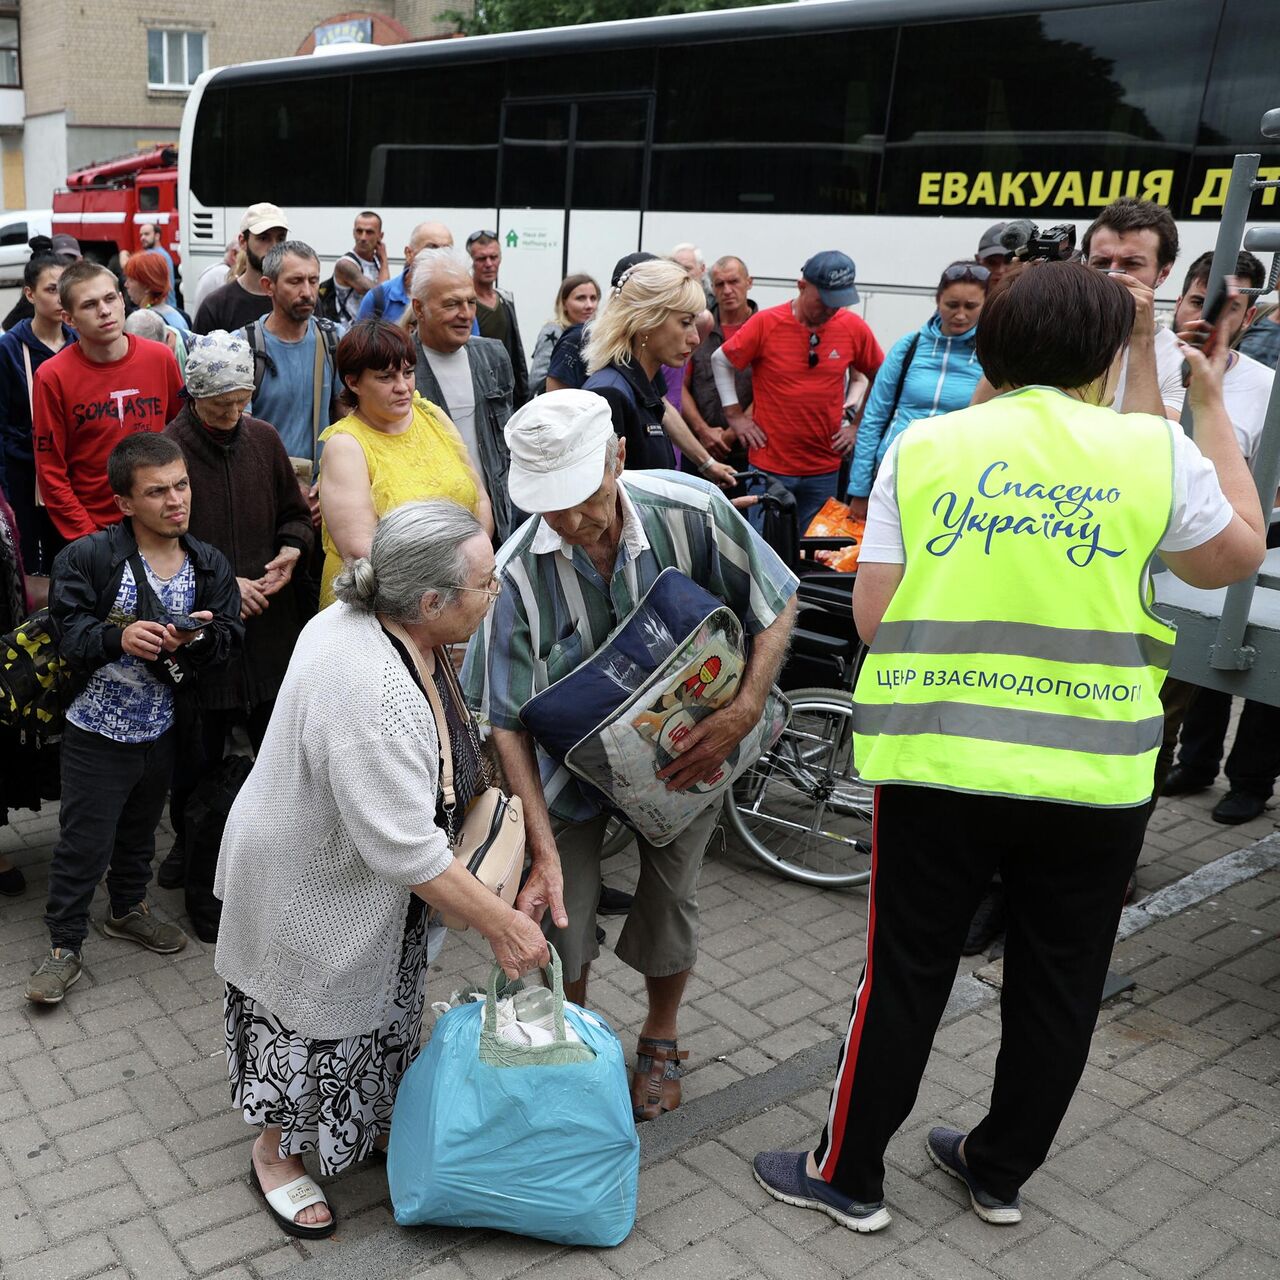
pixel 394 447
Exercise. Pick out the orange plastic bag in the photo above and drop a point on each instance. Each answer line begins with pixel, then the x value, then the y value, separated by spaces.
pixel 846 559
pixel 834 521
pixel 843 560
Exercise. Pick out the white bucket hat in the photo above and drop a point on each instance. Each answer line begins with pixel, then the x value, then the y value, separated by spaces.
pixel 558 443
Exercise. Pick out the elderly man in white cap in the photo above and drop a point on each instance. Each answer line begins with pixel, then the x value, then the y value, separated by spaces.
pixel 247 504
pixel 596 543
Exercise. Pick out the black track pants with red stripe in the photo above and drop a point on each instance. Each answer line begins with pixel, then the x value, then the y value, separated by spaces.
pixel 1065 869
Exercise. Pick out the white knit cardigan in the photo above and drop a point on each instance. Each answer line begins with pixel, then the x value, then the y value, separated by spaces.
pixel 336 820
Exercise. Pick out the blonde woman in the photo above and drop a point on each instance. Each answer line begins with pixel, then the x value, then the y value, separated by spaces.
pixel 649 321
pixel 576 303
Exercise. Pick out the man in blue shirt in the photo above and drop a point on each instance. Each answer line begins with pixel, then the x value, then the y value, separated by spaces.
pixel 286 355
pixel 390 299
pixel 149 239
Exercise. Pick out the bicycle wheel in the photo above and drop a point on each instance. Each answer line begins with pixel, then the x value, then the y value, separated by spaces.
pixel 801 808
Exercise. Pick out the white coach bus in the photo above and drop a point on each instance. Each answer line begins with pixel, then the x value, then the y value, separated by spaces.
pixel 896 130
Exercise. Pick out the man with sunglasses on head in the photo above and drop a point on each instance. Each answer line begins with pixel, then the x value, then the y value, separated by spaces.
pixel 926 373
pixel 496 308
pixel 801 354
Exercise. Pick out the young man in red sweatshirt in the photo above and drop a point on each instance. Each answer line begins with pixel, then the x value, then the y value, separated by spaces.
pixel 90 395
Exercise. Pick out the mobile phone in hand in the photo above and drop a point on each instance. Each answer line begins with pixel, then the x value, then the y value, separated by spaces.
pixel 185 622
pixel 1214 305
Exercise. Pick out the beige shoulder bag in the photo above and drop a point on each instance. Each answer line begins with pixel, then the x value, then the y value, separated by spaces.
pixel 490 839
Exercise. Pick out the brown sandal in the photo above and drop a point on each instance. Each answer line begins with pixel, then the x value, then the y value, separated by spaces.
pixel 655 1087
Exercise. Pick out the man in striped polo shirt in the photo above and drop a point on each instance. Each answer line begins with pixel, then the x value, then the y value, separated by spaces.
pixel 569 576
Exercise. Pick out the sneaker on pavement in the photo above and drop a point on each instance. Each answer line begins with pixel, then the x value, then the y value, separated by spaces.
pixel 140 926
pixel 782 1174
pixel 1237 807
pixel 1182 782
pixel 943 1146
pixel 12 882
pixel 58 970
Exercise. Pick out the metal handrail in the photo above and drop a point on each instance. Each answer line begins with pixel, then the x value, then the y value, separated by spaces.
pixel 1228 651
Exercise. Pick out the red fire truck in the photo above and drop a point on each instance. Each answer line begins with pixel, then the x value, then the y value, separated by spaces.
pixel 104 204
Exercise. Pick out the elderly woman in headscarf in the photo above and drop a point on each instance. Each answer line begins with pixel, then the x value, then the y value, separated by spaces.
pixel 245 501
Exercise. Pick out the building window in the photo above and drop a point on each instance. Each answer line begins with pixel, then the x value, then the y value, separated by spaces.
pixel 174 58
pixel 10 67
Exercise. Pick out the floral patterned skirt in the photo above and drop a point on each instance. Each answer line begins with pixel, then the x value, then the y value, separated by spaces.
pixel 330 1096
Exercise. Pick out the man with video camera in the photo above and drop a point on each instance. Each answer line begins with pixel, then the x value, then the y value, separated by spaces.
pixel 1136 241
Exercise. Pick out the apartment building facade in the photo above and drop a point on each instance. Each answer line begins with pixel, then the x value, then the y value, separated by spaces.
pixel 81 82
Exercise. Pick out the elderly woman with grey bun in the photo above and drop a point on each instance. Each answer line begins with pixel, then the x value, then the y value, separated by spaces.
pixel 334 848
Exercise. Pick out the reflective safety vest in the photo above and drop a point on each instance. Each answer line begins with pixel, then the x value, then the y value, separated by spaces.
pixel 1019 655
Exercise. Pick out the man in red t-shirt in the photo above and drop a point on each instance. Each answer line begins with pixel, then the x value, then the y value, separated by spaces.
pixel 801 355
pixel 93 392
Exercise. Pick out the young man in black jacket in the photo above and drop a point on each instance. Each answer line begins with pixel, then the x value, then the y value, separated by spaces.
pixel 140 608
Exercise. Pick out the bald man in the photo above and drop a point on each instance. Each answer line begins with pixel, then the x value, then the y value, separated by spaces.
pixel 390 300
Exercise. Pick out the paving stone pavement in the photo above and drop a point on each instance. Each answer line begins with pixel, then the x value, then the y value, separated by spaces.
pixel 120 1156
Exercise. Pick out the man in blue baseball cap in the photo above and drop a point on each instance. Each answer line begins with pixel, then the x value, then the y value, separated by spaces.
pixel 801 355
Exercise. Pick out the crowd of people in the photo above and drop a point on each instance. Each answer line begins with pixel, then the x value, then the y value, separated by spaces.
pixel 288 514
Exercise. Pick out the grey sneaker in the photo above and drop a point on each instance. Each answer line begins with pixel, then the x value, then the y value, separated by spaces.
pixel 140 926
pixel 943 1146
pixel 58 970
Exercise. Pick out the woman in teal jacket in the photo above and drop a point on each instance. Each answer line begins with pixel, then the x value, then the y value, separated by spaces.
pixel 929 372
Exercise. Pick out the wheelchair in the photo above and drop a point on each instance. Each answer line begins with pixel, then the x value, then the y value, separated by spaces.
pixel 801 809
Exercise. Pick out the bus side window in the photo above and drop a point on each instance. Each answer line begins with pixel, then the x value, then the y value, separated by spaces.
pixel 1121 122
pixel 750 152
pixel 437 147
pixel 1244 73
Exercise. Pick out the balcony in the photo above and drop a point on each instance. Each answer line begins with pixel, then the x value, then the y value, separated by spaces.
pixel 12 108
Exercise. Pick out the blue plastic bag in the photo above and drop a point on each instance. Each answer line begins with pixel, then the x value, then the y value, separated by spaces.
pixel 566 712
pixel 491 1134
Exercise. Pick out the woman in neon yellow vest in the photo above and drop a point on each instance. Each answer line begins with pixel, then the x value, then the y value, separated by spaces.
pixel 1009 713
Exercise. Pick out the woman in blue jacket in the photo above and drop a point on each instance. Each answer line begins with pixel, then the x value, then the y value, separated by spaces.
pixel 22 351
pixel 929 372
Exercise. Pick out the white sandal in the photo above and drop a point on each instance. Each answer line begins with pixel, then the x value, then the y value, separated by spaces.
pixel 285 1203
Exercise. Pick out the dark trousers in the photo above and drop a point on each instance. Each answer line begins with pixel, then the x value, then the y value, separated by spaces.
pixel 811 492
pixel 38 540
pixel 112 797
pixel 1065 869
pixel 1177 698
pixel 1254 762
pixel 206 752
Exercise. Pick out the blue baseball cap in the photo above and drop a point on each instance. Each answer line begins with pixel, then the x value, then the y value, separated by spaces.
pixel 832 273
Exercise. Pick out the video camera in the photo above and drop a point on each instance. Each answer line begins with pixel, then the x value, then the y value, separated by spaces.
pixel 1027 242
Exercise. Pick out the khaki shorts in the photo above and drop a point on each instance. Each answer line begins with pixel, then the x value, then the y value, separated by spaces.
pixel 660 936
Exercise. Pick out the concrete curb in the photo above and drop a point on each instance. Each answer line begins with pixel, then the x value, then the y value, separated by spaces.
pixel 1200 885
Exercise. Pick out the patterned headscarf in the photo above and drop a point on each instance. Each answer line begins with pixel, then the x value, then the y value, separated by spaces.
pixel 218 363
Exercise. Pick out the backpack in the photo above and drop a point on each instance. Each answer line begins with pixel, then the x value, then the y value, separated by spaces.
pixel 206 815
pixel 327 302
pixel 262 361
pixel 35 680
pixel 907 357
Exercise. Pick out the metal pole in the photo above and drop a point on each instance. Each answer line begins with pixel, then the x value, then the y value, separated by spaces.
pixel 1228 652
pixel 1235 212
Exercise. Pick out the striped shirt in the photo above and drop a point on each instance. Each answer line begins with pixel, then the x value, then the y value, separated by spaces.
pixel 556 610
